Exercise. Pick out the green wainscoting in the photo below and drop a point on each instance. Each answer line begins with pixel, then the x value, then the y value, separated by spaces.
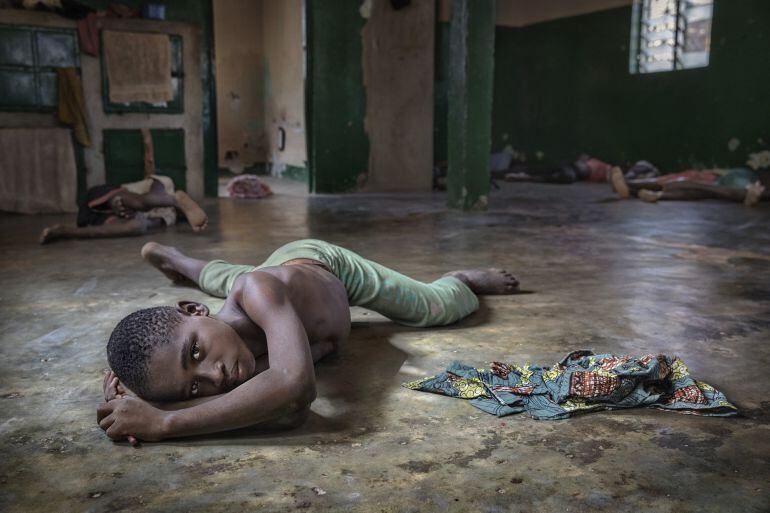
pixel 124 155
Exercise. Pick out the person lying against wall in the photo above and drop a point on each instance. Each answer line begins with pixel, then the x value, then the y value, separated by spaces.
pixel 738 185
pixel 130 209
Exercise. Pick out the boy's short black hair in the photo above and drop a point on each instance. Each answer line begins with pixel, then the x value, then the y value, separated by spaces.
pixel 133 341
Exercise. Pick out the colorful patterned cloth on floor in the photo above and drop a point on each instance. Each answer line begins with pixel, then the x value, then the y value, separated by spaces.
pixel 581 382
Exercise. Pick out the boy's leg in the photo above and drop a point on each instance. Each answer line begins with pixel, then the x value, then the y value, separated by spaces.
pixel 157 197
pixel 368 283
pixel 409 301
pixel 120 228
pixel 627 188
pixel 214 277
pixel 687 190
pixel 192 211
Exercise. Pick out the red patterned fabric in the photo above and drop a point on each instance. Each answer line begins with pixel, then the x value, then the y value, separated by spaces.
pixel 500 369
pixel 592 384
pixel 689 394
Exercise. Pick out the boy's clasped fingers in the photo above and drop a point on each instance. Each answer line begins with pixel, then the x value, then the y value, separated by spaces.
pixel 108 419
pixel 109 422
pixel 109 386
pixel 112 387
pixel 106 383
pixel 106 422
pixel 102 411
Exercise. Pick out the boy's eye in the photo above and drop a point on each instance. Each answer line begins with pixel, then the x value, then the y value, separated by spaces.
pixel 195 351
pixel 194 388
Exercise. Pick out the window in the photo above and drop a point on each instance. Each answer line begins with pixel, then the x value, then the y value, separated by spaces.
pixel 670 35
pixel 29 57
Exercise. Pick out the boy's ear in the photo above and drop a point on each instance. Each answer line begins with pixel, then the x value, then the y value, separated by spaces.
pixel 193 308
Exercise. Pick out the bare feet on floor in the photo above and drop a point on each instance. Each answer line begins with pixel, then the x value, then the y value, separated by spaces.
pixel 51 233
pixel 124 206
pixel 618 182
pixel 487 281
pixel 650 196
pixel 194 214
pixel 753 194
pixel 163 258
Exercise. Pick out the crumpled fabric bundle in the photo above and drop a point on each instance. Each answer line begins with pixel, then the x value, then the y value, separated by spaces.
pixel 582 382
pixel 248 186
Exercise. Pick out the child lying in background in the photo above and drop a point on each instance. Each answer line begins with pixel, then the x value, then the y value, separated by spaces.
pixel 131 209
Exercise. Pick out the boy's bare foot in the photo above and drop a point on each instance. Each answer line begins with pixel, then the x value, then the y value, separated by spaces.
pixel 618 182
pixel 121 206
pixel 487 281
pixel 163 258
pixel 194 214
pixel 52 233
pixel 650 196
pixel 753 193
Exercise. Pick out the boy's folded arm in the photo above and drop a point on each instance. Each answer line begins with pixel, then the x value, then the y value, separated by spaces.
pixel 181 405
pixel 286 386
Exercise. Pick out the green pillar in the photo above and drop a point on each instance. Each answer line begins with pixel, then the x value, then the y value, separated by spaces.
pixel 469 131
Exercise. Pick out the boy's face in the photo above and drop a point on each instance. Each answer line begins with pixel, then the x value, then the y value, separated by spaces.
pixel 205 356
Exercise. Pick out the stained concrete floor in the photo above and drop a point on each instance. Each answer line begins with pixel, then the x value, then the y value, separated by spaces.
pixel 691 279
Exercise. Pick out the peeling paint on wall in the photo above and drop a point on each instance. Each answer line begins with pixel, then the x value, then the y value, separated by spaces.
pixel 759 160
pixel 398 57
pixel 240 91
pixel 284 85
pixel 366 9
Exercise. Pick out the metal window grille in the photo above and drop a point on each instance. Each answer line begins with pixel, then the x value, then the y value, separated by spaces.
pixel 29 56
pixel 670 35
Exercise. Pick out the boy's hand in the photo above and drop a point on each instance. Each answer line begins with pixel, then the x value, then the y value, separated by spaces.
pixel 127 417
pixel 112 387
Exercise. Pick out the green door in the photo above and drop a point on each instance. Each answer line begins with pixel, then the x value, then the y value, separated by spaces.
pixel 124 155
pixel 168 149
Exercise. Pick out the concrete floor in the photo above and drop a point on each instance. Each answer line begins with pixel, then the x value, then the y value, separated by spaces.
pixel 691 279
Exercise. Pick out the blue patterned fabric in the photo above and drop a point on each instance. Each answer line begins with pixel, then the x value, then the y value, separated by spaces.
pixel 581 382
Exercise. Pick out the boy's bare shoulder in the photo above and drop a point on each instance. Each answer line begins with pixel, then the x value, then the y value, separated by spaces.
pixel 262 285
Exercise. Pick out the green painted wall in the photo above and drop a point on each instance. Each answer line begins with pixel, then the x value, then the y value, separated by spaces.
pixel 200 13
pixel 563 88
pixel 335 96
pixel 124 155
pixel 440 88
pixel 471 70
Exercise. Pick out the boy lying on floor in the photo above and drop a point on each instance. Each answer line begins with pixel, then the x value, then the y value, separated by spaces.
pixel 131 209
pixel 194 372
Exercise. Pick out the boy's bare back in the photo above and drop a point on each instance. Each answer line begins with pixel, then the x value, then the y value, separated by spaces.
pixel 317 296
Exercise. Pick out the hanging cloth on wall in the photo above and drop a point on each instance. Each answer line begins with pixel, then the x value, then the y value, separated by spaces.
pixel 72 106
pixel 138 66
pixel 37 171
pixel 89 35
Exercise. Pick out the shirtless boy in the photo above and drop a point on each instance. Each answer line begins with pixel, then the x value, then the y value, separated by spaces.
pixel 194 372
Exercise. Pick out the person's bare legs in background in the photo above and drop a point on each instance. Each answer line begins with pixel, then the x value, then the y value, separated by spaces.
pixel 651 191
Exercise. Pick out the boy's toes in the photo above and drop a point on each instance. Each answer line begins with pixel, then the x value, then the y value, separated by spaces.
pixel 49 234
